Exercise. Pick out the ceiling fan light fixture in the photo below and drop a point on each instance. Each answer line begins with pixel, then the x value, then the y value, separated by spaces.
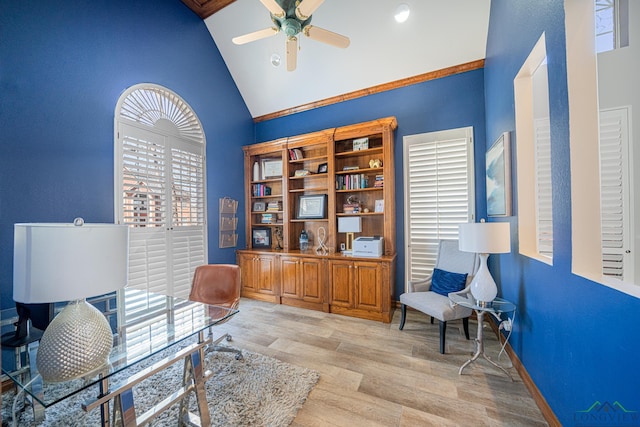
pixel 275 60
pixel 402 13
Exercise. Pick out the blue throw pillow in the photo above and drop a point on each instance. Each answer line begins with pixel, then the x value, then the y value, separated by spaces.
pixel 443 282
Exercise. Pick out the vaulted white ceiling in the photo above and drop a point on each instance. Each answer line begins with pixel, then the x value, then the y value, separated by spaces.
pixel 437 35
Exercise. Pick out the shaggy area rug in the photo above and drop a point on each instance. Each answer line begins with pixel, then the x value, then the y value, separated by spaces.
pixel 255 391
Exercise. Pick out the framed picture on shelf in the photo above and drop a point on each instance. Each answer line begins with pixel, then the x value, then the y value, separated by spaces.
pixel 323 168
pixel 259 206
pixel 312 206
pixel 379 206
pixel 499 177
pixel 360 144
pixel 261 237
pixel 271 168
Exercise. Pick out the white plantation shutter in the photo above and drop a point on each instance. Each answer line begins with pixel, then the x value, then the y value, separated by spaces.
pixel 160 194
pixel 544 211
pixel 439 194
pixel 614 197
pixel 188 217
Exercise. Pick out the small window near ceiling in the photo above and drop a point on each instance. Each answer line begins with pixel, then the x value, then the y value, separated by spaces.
pixel 612 24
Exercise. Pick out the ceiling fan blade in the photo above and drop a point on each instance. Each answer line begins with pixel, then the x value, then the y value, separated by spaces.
pixel 307 7
pixel 273 7
pixel 256 35
pixel 292 53
pixel 326 36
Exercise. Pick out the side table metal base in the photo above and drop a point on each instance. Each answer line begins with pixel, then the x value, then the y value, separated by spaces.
pixel 480 348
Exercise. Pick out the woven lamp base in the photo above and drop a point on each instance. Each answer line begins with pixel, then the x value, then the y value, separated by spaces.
pixel 76 343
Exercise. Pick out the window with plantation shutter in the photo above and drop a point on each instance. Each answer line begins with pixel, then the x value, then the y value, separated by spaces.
pixel 544 211
pixel 615 194
pixel 439 193
pixel 160 194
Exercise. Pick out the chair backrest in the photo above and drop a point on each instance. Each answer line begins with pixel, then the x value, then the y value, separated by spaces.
pixel 452 259
pixel 216 284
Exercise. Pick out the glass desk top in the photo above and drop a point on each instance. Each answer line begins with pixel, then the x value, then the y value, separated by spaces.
pixel 143 323
pixel 497 306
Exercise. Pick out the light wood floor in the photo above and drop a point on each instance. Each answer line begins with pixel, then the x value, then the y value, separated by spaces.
pixel 372 374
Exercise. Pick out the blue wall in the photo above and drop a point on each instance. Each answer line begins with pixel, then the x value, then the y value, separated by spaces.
pixel 577 339
pixel 447 103
pixel 63 66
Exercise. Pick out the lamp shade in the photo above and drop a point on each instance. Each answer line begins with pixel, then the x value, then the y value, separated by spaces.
pixel 485 237
pixel 56 262
pixel 349 224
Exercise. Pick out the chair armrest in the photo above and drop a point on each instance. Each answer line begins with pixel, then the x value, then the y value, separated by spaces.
pixel 419 285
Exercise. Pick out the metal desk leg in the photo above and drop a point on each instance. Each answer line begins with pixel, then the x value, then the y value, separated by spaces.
pixel 194 374
pixel 104 408
pixel 36 385
pixel 480 348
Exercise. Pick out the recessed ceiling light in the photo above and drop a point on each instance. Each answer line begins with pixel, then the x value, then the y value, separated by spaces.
pixel 402 12
pixel 275 60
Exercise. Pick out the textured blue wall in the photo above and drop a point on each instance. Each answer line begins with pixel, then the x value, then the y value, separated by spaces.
pixel 447 103
pixel 577 339
pixel 63 66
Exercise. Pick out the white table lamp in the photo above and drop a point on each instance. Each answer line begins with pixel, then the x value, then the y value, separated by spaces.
pixel 484 238
pixel 70 262
pixel 349 225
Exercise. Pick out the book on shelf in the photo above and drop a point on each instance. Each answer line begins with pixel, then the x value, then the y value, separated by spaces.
pixel 260 190
pixel 352 181
pixel 379 181
pixel 295 154
pixel 268 218
pixel 274 206
pixel 351 208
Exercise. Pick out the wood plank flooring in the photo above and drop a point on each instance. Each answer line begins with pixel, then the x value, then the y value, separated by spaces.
pixel 372 374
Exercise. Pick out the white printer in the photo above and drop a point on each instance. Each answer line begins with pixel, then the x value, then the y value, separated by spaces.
pixel 368 246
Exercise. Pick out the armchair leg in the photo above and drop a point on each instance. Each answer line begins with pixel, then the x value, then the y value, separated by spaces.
pixel 465 325
pixel 215 346
pixel 403 310
pixel 443 330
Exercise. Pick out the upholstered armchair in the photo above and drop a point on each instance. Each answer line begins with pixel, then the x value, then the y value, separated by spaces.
pixel 217 285
pixel 453 272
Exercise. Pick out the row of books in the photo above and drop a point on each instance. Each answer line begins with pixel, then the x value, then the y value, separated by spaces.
pixel 379 181
pixel 268 218
pixel 352 182
pixel 295 154
pixel 274 206
pixel 258 190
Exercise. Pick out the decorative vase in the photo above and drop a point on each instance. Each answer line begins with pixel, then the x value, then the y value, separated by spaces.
pixel 256 171
pixel 76 343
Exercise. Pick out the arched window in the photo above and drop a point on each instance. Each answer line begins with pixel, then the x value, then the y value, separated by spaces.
pixel 160 188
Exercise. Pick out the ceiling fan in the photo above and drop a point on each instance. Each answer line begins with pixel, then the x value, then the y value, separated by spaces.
pixel 293 17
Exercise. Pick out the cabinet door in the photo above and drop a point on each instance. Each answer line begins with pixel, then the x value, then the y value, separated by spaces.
pixel 247 275
pixel 341 283
pixel 368 278
pixel 289 277
pixel 264 274
pixel 311 279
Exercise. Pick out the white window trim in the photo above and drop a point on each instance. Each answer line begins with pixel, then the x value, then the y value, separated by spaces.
pixel 155 113
pixel 582 85
pixel 528 167
pixel 449 229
